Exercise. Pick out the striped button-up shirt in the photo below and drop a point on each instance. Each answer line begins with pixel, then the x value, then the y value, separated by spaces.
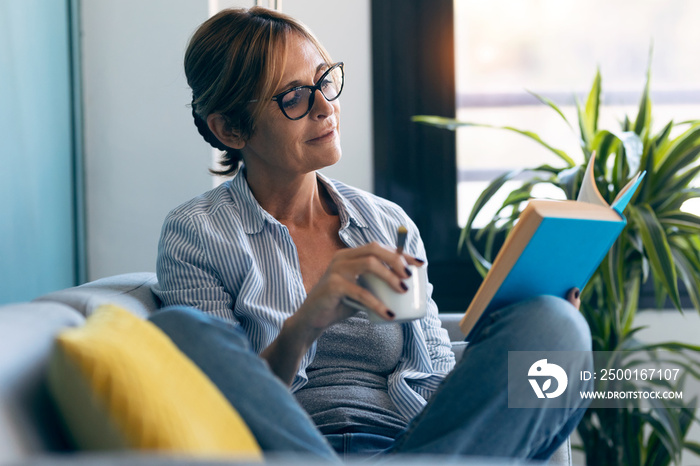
pixel 223 253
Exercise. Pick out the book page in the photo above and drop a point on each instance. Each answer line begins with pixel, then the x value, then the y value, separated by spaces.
pixel 589 191
pixel 626 188
pixel 623 198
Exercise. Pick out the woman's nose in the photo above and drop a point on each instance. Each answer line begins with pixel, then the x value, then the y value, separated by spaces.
pixel 322 108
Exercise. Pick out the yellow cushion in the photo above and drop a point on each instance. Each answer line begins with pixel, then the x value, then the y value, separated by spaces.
pixel 121 383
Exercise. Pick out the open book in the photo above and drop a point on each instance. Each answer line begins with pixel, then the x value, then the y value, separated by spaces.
pixel 554 246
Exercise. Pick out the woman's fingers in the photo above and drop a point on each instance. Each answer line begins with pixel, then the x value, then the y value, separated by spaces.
pixel 574 297
pixel 396 262
pixel 371 264
pixel 413 260
pixel 368 300
pixel 340 281
pixel 386 255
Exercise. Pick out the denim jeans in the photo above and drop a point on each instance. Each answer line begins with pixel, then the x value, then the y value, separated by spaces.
pixel 468 415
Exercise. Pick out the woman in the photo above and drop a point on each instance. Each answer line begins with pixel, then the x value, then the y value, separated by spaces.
pixel 275 251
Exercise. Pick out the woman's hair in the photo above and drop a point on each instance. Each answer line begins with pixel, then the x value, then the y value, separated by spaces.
pixel 234 63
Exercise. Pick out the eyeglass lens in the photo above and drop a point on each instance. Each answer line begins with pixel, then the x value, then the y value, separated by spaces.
pixel 297 102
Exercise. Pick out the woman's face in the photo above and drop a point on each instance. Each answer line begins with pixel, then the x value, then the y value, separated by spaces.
pixel 280 145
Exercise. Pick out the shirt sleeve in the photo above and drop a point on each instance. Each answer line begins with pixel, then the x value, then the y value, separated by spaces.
pixel 185 275
pixel 436 337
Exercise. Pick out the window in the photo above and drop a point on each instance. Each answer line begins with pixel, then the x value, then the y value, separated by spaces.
pixel 502 47
pixel 553 47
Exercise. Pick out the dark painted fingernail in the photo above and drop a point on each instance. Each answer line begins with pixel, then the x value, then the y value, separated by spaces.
pixel 390 314
pixel 419 260
pixel 403 286
pixel 408 271
pixel 576 294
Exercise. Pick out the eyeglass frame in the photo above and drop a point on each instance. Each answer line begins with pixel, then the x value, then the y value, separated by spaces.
pixel 278 98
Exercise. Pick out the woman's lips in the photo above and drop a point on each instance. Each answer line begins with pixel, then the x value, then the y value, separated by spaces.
pixel 325 137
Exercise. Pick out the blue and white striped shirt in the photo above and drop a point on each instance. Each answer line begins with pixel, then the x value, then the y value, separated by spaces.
pixel 224 254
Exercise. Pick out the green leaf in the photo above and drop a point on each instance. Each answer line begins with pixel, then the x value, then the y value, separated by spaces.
pixel 634 147
pixel 593 105
pixel 657 453
pixel 662 180
pixel 682 220
pixel 676 200
pixel 643 121
pixel 569 180
pixel 630 304
pixel 677 183
pixel 625 124
pixel 604 143
pixel 453 124
pixel 612 286
pixel 663 429
pixel 481 264
pixel 687 245
pixel 440 122
pixel 692 446
pixel 586 134
pixel 546 168
pixel 489 249
pixel 657 249
pixel 516 197
pixel 552 105
pixel 560 153
pixel 672 346
pixel 663 135
pixel 689 275
pixel 674 156
pixel 647 164
pixel 670 419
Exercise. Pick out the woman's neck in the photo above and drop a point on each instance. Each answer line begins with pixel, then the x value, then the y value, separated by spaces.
pixel 297 201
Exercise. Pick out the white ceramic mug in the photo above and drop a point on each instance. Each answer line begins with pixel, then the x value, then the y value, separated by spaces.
pixel 406 306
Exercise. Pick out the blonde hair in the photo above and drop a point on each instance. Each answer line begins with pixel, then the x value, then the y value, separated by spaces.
pixel 234 63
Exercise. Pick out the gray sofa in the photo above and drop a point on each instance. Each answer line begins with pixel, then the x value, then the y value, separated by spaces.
pixel 30 427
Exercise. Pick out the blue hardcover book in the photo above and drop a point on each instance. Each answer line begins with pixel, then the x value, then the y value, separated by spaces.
pixel 554 246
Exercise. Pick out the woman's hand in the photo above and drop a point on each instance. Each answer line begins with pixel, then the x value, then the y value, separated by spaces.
pixel 324 305
pixel 574 297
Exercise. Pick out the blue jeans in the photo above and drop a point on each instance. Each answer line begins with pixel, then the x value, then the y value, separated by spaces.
pixel 468 415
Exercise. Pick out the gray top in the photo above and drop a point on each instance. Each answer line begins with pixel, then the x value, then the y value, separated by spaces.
pixel 347 388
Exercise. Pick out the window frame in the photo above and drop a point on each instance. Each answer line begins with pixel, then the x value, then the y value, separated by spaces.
pixel 414 73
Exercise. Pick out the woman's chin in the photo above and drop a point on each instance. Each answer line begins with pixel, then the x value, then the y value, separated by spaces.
pixel 329 158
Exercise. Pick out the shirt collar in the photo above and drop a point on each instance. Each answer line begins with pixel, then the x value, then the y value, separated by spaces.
pixel 346 210
pixel 253 216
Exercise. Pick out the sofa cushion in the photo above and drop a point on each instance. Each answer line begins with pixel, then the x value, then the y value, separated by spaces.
pixel 120 383
pixel 29 423
pixel 132 291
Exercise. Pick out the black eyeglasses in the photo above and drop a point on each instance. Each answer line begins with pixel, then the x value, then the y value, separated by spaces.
pixel 297 102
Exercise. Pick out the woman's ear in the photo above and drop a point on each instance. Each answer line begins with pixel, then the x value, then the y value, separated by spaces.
pixel 220 128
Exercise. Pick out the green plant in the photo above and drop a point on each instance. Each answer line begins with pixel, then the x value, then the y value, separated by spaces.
pixel 660 241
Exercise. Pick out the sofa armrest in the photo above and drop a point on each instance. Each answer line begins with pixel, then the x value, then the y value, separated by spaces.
pixel 450 322
pixel 131 291
pixel 29 423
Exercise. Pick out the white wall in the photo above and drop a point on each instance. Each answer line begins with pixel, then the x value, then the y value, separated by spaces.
pixel 343 27
pixel 143 155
